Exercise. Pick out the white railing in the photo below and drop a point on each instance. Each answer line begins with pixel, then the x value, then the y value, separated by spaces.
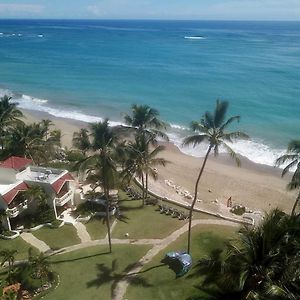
pixel 63 199
pixel 15 211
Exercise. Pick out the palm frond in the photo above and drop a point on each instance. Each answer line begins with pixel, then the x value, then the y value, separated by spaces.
pixel 232 154
pixel 220 112
pixel 195 140
pixel 229 121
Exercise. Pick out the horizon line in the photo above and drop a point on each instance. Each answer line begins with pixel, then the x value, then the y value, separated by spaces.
pixel 145 19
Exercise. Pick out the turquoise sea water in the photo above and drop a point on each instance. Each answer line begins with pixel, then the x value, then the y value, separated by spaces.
pixel 88 70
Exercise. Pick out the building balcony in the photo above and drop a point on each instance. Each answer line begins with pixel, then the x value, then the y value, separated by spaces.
pixel 15 211
pixel 61 201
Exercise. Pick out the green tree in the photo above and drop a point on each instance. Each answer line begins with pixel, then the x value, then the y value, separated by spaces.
pixel 81 140
pixel 8 256
pixel 261 263
pixel 292 158
pixel 36 193
pixel 34 141
pixel 147 127
pixel 101 166
pixel 145 119
pixel 141 161
pixel 212 129
pixel 9 117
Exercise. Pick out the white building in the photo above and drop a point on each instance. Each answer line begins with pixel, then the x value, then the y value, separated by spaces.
pixel 17 174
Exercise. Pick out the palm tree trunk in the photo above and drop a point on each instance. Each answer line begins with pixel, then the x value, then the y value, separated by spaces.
pixel 195 198
pixel 143 185
pixel 296 204
pixel 108 220
pixel 146 197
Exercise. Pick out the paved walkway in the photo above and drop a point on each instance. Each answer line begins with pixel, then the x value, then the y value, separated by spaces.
pixel 158 245
pixel 121 287
pixel 82 232
pixel 35 242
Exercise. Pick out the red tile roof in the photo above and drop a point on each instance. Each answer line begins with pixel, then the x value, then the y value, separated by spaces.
pixel 10 196
pixel 58 184
pixel 15 162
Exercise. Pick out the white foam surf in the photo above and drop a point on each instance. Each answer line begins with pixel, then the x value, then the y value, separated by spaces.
pixel 195 37
pixel 255 150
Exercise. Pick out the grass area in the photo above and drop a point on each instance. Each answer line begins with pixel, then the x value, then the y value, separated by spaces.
pixel 96 228
pixel 91 273
pixel 17 244
pixel 144 222
pixel 161 279
pixel 57 238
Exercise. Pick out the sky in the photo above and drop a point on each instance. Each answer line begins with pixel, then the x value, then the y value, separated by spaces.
pixel 152 9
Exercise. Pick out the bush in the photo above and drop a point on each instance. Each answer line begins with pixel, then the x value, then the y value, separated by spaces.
pixel 24 276
pixel 56 223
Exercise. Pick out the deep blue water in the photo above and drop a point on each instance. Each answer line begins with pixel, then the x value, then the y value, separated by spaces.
pixel 99 68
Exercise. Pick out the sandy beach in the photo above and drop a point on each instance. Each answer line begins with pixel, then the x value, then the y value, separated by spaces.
pixel 258 187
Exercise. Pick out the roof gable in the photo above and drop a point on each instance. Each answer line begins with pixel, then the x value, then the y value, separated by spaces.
pixel 10 195
pixel 16 163
pixel 58 184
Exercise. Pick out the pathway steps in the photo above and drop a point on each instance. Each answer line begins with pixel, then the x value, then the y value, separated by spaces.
pixel 35 242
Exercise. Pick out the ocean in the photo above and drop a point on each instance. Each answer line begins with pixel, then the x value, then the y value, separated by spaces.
pixel 87 70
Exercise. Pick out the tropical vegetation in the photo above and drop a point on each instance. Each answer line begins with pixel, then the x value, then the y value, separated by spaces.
pixel 262 263
pixel 212 130
pixel 292 160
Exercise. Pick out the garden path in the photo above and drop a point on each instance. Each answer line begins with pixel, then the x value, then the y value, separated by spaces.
pixel 121 287
pixel 35 242
pixel 82 232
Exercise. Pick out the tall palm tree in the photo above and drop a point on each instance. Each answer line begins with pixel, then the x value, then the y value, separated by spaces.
pixel 262 263
pixel 292 157
pixel 141 161
pixel 9 117
pixel 81 140
pixel 101 166
pixel 8 256
pixel 147 126
pixel 145 120
pixel 212 129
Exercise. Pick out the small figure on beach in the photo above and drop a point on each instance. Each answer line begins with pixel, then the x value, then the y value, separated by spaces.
pixel 229 202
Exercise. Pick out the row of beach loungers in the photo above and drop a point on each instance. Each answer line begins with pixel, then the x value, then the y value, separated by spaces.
pixel 133 193
pixel 173 212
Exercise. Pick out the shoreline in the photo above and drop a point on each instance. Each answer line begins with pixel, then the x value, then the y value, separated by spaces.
pixel 259 187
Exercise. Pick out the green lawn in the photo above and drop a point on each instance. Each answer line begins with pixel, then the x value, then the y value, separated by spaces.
pixel 162 279
pixel 17 244
pixel 87 274
pixel 96 228
pixel 57 238
pixel 144 222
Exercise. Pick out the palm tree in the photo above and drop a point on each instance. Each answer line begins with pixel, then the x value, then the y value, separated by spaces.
pixel 36 193
pixel 211 129
pixel 34 141
pixel 262 263
pixel 8 256
pixel 81 140
pixel 141 161
pixel 101 166
pixel 292 157
pixel 39 264
pixel 145 120
pixel 147 126
pixel 9 117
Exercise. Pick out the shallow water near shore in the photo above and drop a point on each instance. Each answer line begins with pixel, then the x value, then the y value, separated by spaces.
pixel 88 70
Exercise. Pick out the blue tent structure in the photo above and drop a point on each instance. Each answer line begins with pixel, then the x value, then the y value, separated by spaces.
pixel 180 262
